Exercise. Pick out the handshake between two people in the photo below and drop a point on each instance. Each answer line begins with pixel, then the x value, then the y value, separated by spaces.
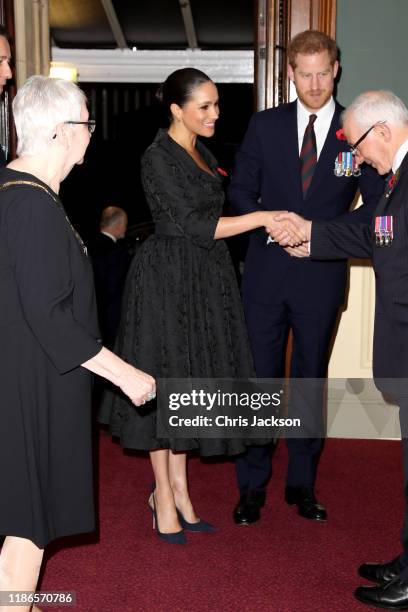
pixel 290 231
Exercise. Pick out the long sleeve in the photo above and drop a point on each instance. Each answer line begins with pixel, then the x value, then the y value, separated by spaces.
pixel 40 245
pixel 337 240
pixel 164 181
pixel 371 186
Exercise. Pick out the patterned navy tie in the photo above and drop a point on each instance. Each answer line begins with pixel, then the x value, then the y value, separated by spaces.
pixel 308 155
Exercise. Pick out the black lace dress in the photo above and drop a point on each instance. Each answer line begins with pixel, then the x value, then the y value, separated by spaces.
pixel 182 315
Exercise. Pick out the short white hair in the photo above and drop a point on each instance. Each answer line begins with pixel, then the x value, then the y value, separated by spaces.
pixel 39 106
pixel 372 106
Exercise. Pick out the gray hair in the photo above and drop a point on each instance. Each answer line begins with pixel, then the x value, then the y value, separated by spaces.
pixel 372 106
pixel 111 215
pixel 39 106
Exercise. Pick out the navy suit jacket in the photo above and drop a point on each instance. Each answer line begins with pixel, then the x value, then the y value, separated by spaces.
pixel 390 355
pixel 267 176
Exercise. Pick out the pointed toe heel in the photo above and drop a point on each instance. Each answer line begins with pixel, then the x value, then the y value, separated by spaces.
pixel 199 527
pixel 178 537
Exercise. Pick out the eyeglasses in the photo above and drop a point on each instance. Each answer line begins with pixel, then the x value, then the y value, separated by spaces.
pixel 91 124
pixel 354 146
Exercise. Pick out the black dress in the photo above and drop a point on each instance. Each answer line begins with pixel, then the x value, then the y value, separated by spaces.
pixel 182 315
pixel 48 327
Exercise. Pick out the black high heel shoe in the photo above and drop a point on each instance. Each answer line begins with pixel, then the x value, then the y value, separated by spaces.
pixel 178 537
pixel 200 526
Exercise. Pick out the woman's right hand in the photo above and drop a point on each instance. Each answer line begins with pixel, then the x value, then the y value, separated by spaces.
pixel 137 385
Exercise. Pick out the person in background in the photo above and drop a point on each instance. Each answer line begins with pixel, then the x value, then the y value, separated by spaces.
pixel 110 259
pixel 50 341
pixel 5 74
pixel 292 158
pixel 183 316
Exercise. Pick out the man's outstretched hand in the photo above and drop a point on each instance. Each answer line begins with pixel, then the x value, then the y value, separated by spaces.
pixel 285 229
pixel 292 232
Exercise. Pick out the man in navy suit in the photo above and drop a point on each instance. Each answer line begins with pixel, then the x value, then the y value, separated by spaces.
pixel 292 159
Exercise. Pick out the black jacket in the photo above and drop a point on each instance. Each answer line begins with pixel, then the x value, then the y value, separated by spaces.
pixel 337 240
pixel 267 176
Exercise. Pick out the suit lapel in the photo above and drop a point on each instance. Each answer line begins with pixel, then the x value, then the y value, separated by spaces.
pixel 328 154
pixel 385 200
pixel 291 148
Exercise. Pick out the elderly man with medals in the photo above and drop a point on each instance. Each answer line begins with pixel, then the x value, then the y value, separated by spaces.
pixel 377 123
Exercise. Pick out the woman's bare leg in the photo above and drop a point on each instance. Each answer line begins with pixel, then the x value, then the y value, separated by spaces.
pixel 179 485
pixel 20 563
pixel 163 495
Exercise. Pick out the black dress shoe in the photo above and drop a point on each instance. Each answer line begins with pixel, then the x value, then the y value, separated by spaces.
pixel 390 595
pixel 248 509
pixel 307 504
pixel 381 572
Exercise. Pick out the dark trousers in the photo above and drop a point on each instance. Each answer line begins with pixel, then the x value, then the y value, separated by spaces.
pixel 268 327
pixel 403 415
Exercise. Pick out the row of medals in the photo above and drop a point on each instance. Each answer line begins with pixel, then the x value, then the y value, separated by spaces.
pixel 383 239
pixel 345 165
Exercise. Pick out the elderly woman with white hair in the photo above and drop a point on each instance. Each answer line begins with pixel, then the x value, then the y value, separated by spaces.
pixel 50 340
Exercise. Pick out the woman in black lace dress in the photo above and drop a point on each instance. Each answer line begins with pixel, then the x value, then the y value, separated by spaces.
pixel 183 316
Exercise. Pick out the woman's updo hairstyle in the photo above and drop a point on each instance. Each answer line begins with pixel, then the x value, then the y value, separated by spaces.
pixel 179 86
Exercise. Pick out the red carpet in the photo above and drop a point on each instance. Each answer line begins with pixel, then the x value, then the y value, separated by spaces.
pixel 282 564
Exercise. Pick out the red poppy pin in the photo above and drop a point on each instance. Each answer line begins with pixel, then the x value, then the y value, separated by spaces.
pixel 391 181
pixel 222 171
pixel 340 134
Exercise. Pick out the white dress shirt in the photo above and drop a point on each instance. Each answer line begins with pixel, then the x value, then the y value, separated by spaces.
pixel 321 124
pixel 399 156
pixel 109 236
